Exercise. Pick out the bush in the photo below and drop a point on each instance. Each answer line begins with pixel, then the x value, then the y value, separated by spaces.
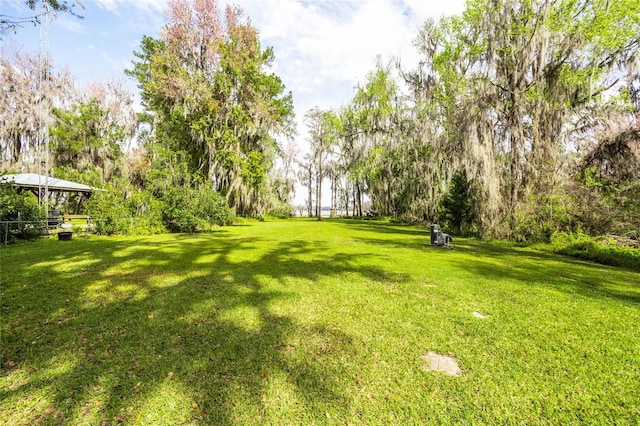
pixel 146 211
pixel 540 217
pixel 121 211
pixel 109 213
pixel 276 214
pixel 19 207
pixel 605 250
pixel 195 210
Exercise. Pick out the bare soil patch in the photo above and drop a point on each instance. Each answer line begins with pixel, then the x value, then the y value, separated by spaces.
pixel 444 364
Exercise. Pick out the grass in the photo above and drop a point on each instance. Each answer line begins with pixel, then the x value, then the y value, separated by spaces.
pixel 606 250
pixel 300 322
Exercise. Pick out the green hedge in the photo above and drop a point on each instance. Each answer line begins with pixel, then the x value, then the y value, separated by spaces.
pixel 195 210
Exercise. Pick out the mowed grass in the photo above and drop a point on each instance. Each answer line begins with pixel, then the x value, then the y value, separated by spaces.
pixel 300 322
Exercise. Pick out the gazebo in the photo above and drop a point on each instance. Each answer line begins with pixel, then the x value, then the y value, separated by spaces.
pixel 37 183
pixel 42 185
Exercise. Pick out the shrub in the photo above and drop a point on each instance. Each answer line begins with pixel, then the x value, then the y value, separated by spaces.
pixel 542 215
pixel 146 211
pixel 122 211
pixel 605 250
pixel 19 207
pixel 195 210
pixel 109 213
pixel 277 214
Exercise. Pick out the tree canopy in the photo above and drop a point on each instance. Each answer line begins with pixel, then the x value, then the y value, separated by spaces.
pixel 518 97
pixel 207 88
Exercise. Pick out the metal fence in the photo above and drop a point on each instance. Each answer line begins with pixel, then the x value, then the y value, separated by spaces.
pixel 28 229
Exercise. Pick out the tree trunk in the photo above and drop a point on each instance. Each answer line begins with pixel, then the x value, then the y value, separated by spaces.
pixel 334 200
pixel 319 190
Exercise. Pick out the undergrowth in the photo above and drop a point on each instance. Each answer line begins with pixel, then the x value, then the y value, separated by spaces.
pixel 607 250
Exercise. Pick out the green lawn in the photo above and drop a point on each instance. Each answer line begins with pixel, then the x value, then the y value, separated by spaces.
pixel 300 322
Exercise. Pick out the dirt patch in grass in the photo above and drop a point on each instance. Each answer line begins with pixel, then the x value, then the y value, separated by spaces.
pixel 437 362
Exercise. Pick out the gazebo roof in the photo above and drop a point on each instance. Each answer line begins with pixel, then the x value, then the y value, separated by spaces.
pixel 35 181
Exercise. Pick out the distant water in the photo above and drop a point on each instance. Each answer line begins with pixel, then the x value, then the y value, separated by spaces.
pixel 324 212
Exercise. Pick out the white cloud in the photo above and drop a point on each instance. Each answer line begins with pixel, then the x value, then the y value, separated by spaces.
pixel 146 5
pixel 319 44
pixel 109 5
pixel 69 23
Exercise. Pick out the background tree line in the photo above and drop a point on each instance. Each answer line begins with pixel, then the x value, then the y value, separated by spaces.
pixel 521 119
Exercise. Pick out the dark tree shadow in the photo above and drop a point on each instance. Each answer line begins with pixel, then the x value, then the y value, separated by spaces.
pixel 501 262
pixel 162 313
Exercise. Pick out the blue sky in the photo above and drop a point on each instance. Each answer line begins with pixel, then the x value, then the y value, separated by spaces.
pixel 323 48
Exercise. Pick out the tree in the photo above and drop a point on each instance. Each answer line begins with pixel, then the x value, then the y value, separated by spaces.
pixel 457 205
pixel 306 176
pixel 206 84
pixel 26 108
pixel 354 152
pixel 281 181
pixel 82 141
pixel 289 157
pixel 64 6
pixel 607 184
pixel 502 94
pixel 383 152
pixel 324 127
pixel 510 78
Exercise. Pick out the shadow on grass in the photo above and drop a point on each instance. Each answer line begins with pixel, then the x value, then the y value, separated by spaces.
pixel 534 268
pixel 383 227
pixel 385 234
pixel 99 331
pixel 502 262
pixel 94 330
